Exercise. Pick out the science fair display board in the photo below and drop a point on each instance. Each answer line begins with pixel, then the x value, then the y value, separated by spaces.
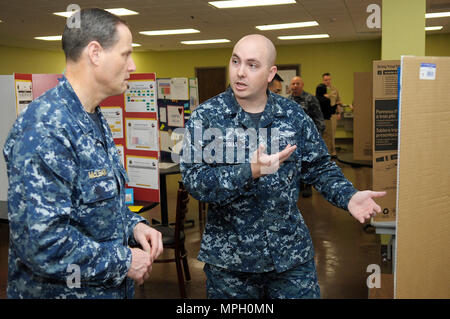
pixel 132 117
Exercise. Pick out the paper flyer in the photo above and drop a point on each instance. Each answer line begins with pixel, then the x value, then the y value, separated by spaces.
pixel 24 95
pixel 142 134
pixel 113 116
pixel 141 96
pixel 142 171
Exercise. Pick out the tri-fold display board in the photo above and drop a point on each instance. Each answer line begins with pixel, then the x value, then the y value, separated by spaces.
pixel 143 121
pixel 132 117
pixel 133 120
pixel 423 187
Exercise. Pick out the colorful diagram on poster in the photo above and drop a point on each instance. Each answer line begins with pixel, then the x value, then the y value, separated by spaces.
pixel 142 134
pixel 113 116
pixel 142 172
pixel 141 96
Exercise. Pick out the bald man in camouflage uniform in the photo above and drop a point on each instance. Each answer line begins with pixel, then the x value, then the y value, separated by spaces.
pixel 256 243
pixel 70 230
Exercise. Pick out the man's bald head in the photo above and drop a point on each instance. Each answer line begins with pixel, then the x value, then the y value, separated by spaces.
pixel 251 69
pixel 296 86
pixel 261 44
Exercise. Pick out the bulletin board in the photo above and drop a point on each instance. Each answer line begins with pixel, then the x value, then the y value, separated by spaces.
pixel 423 214
pixel 133 119
pixel 177 98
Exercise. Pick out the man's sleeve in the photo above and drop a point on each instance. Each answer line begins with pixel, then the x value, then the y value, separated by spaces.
pixel 132 220
pixel 319 171
pixel 41 228
pixel 212 183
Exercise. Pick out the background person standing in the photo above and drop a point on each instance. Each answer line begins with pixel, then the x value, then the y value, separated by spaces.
pixel 335 100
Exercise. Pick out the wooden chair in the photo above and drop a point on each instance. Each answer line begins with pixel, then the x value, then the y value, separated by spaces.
pixel 174 238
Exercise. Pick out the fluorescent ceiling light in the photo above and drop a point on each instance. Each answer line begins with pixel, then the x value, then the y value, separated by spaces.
pixel 50 38
pixel 135 45
pixel 205 41
pixel 64 14
pixel 304 37
pixel 248 3
pixel 287 25
pixel 116 11
pixel 169 32
pixel 436 28
pixel 437 15
pixel 122 12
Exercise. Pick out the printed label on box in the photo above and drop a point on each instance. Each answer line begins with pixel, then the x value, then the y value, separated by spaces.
pixel 428 71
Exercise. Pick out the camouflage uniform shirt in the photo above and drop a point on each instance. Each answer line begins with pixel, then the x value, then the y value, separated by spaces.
pixel 66 204
pixel 254 225
pixel 311 106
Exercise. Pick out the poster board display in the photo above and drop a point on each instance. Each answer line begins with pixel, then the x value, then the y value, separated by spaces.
pixel 385 136
pixel 133 120
pixel 362 116
pixel 423 214
pixel 137 107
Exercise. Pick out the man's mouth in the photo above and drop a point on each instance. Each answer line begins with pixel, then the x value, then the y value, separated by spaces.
pixel 240 85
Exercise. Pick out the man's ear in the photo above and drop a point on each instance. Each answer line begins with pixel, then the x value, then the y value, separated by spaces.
pixel 94 51
pixel 273 70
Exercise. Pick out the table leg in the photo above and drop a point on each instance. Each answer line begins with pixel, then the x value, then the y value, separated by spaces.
pixel 163 197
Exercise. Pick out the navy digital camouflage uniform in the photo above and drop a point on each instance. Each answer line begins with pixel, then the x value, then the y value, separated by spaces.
pixel 254 225
pixel 311 106
pixel 66 203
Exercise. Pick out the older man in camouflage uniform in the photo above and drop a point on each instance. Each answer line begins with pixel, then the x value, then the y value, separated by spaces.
pixel 307 101
pixel 70 230
pixel 256 243
pixel 311 106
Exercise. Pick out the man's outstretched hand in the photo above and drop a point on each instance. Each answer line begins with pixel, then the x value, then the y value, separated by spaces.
pixel 362 206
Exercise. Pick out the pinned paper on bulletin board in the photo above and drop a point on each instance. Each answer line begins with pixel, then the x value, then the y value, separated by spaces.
pixel 193 93
pixel 179 89
pixel 175 115
pixel 163 89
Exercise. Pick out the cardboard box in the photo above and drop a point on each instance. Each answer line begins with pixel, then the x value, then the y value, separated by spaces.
pixel 385 136
pixel 423 198
pixel 362 116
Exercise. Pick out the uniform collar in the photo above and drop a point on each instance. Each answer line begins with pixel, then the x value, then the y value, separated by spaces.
pixel 75 107
pixel 233 109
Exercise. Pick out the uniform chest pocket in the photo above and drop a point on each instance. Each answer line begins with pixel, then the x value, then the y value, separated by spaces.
pixel 97 189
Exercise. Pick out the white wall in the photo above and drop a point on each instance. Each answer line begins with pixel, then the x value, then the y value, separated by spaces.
pixel 7 118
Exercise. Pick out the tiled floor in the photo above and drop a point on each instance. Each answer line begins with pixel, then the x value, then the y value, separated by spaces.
pixel 343 249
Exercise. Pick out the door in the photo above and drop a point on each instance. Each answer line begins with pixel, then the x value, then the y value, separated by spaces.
pixel 211 81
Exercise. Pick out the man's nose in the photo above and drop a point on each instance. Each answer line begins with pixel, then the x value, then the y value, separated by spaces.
pixel 241 70
pixel 131 66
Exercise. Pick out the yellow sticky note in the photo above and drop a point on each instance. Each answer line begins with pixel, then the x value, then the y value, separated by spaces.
pixel 135 209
